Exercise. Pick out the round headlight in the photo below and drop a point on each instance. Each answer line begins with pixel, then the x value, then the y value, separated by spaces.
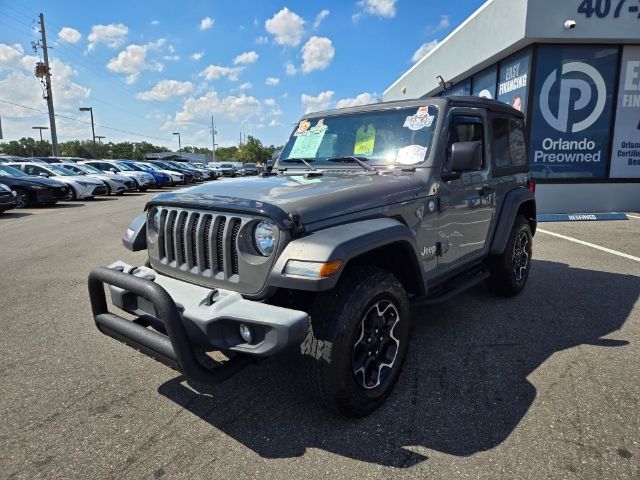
pixel 154 218
pixel 264 238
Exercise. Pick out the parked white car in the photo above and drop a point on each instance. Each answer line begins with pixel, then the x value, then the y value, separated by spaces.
pixel 81 186
pixel 176 178
pixel 115 183
pixel 143 180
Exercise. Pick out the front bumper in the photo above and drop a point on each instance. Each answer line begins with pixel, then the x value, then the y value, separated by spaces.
pixel 187 319
pixel 52 194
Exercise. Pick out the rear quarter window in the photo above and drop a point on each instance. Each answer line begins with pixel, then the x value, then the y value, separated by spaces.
pixel 508 145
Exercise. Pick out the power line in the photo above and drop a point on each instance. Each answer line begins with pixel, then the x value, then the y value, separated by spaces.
pixel 85 122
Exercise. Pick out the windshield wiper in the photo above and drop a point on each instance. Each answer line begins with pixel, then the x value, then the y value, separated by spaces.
pixel 351 159
pixel 307 163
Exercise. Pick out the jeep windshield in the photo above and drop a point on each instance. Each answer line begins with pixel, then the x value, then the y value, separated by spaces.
pixel 400 136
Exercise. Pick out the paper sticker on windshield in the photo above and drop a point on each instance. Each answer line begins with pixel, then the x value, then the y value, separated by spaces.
pixel 365 140
pixel 420 120
pixel 320 127
pixel 307 145
pixel 303 127
pixel 411 154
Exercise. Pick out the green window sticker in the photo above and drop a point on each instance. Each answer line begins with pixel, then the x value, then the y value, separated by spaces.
pixel 365 140
pixel 306 146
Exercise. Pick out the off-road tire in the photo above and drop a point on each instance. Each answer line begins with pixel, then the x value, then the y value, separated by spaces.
pixel 508 272
pixel 337 322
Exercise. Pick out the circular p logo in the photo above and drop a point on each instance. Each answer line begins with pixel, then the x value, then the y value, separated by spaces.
pixel 585 91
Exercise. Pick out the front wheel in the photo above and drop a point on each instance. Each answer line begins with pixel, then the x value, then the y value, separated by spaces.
pixel 23 200
pixel 358 341
pixel 510 270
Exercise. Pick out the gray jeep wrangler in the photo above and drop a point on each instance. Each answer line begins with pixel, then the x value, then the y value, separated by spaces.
pixel 367 211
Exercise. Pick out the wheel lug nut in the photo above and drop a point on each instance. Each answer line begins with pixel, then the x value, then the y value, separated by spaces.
pixel 369 353
pixel 368 340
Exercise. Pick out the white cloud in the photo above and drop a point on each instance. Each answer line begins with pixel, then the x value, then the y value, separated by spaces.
pixel 20 86
pixel 317 54
pixel 274 123
pixel 196 56
pixel 379 8
pixel 269 102
pixel 132 61
pixel 322 101
pixel 214 72
pixel 69 35
pixel 246 58
pixel 272 81
pixel 291 69
pixel 166 89
pixel 262 40
pixel 171 58
pixel 364 98
pixel 155 23
pixel 442 25
pixel 245 86
pixel 319 18
pixel 423 50
pixel 206 23
pixel 287 27
pixel 112 35
pixel 231 107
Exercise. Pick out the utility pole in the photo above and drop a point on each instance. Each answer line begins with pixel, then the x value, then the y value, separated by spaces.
pixel 40 128
pixel 179 143
pixel 213 140
pixel 47 76
pixel 240 138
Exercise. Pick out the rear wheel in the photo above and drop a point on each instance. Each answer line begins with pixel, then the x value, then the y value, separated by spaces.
pixel 510 270
pixel 358 341
pixel 23 200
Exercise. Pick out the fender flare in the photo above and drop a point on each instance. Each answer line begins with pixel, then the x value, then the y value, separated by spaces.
pixel 510 205
pixel 343 242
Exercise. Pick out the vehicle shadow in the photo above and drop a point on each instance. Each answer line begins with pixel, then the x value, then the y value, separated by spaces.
pixel 65 204
pixel 464 388
pixel 14 214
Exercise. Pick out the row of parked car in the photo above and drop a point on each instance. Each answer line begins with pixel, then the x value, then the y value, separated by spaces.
pixel 44 181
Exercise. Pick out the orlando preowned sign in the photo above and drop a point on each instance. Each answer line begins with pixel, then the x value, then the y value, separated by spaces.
pixel 625 157
pixel 570 124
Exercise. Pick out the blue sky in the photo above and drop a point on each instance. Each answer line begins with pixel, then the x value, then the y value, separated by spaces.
pixel 154 68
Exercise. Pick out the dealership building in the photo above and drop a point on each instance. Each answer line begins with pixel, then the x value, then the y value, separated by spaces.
pixel 573 68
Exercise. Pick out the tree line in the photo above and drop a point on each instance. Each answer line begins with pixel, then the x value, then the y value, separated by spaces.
pixel 251 151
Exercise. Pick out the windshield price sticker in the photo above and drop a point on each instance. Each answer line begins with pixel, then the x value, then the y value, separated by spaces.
pixel 365 140
pixel 308 143
pixel 420 120
pixel 411 154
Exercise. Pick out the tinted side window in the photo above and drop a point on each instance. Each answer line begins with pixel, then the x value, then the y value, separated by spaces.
pixel 509 149
pixel 33 170
pixel 463 129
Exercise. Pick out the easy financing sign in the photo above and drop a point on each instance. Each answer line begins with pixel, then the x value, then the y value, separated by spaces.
pixel 625 157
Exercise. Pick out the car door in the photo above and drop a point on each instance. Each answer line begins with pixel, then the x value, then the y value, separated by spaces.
pixel 35 171
pixel 467 198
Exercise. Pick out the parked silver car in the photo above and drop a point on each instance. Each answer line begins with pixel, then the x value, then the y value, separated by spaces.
pixel 115 183
pixel 80 186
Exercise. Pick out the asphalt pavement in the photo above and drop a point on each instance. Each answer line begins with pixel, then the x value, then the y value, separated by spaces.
pixel 544 385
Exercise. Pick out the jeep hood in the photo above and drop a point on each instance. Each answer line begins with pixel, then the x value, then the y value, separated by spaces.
pixel 315 199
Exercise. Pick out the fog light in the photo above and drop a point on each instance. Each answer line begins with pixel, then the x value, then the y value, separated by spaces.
pixel 246 333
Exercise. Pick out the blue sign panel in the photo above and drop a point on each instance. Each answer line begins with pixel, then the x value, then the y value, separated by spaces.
pixel 513 80
pixel 484 83
pixel 571 118
pixel 459 89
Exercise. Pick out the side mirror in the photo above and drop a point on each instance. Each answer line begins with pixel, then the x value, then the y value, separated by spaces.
pixel 466 156
pixel 42 174
pixel 113 169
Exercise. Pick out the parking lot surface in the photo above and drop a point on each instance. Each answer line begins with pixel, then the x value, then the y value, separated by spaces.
pixel 544 385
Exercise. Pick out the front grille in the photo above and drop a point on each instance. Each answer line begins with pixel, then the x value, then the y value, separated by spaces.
pixel 200 243
pixel 130 184
pixel 99 191
pixel 60 192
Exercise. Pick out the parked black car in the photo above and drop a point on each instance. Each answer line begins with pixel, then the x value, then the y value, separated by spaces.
pixel 7 198
pixel 32 190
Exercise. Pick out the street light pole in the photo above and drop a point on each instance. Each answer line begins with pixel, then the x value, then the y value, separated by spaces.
pixel 179 143
pixel 100 137
pixel 40 128
pixel 93 128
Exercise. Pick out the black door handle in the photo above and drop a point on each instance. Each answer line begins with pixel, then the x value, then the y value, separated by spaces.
pixel 486 191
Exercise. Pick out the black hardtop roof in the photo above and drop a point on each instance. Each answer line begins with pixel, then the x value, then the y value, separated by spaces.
pixel 443 102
